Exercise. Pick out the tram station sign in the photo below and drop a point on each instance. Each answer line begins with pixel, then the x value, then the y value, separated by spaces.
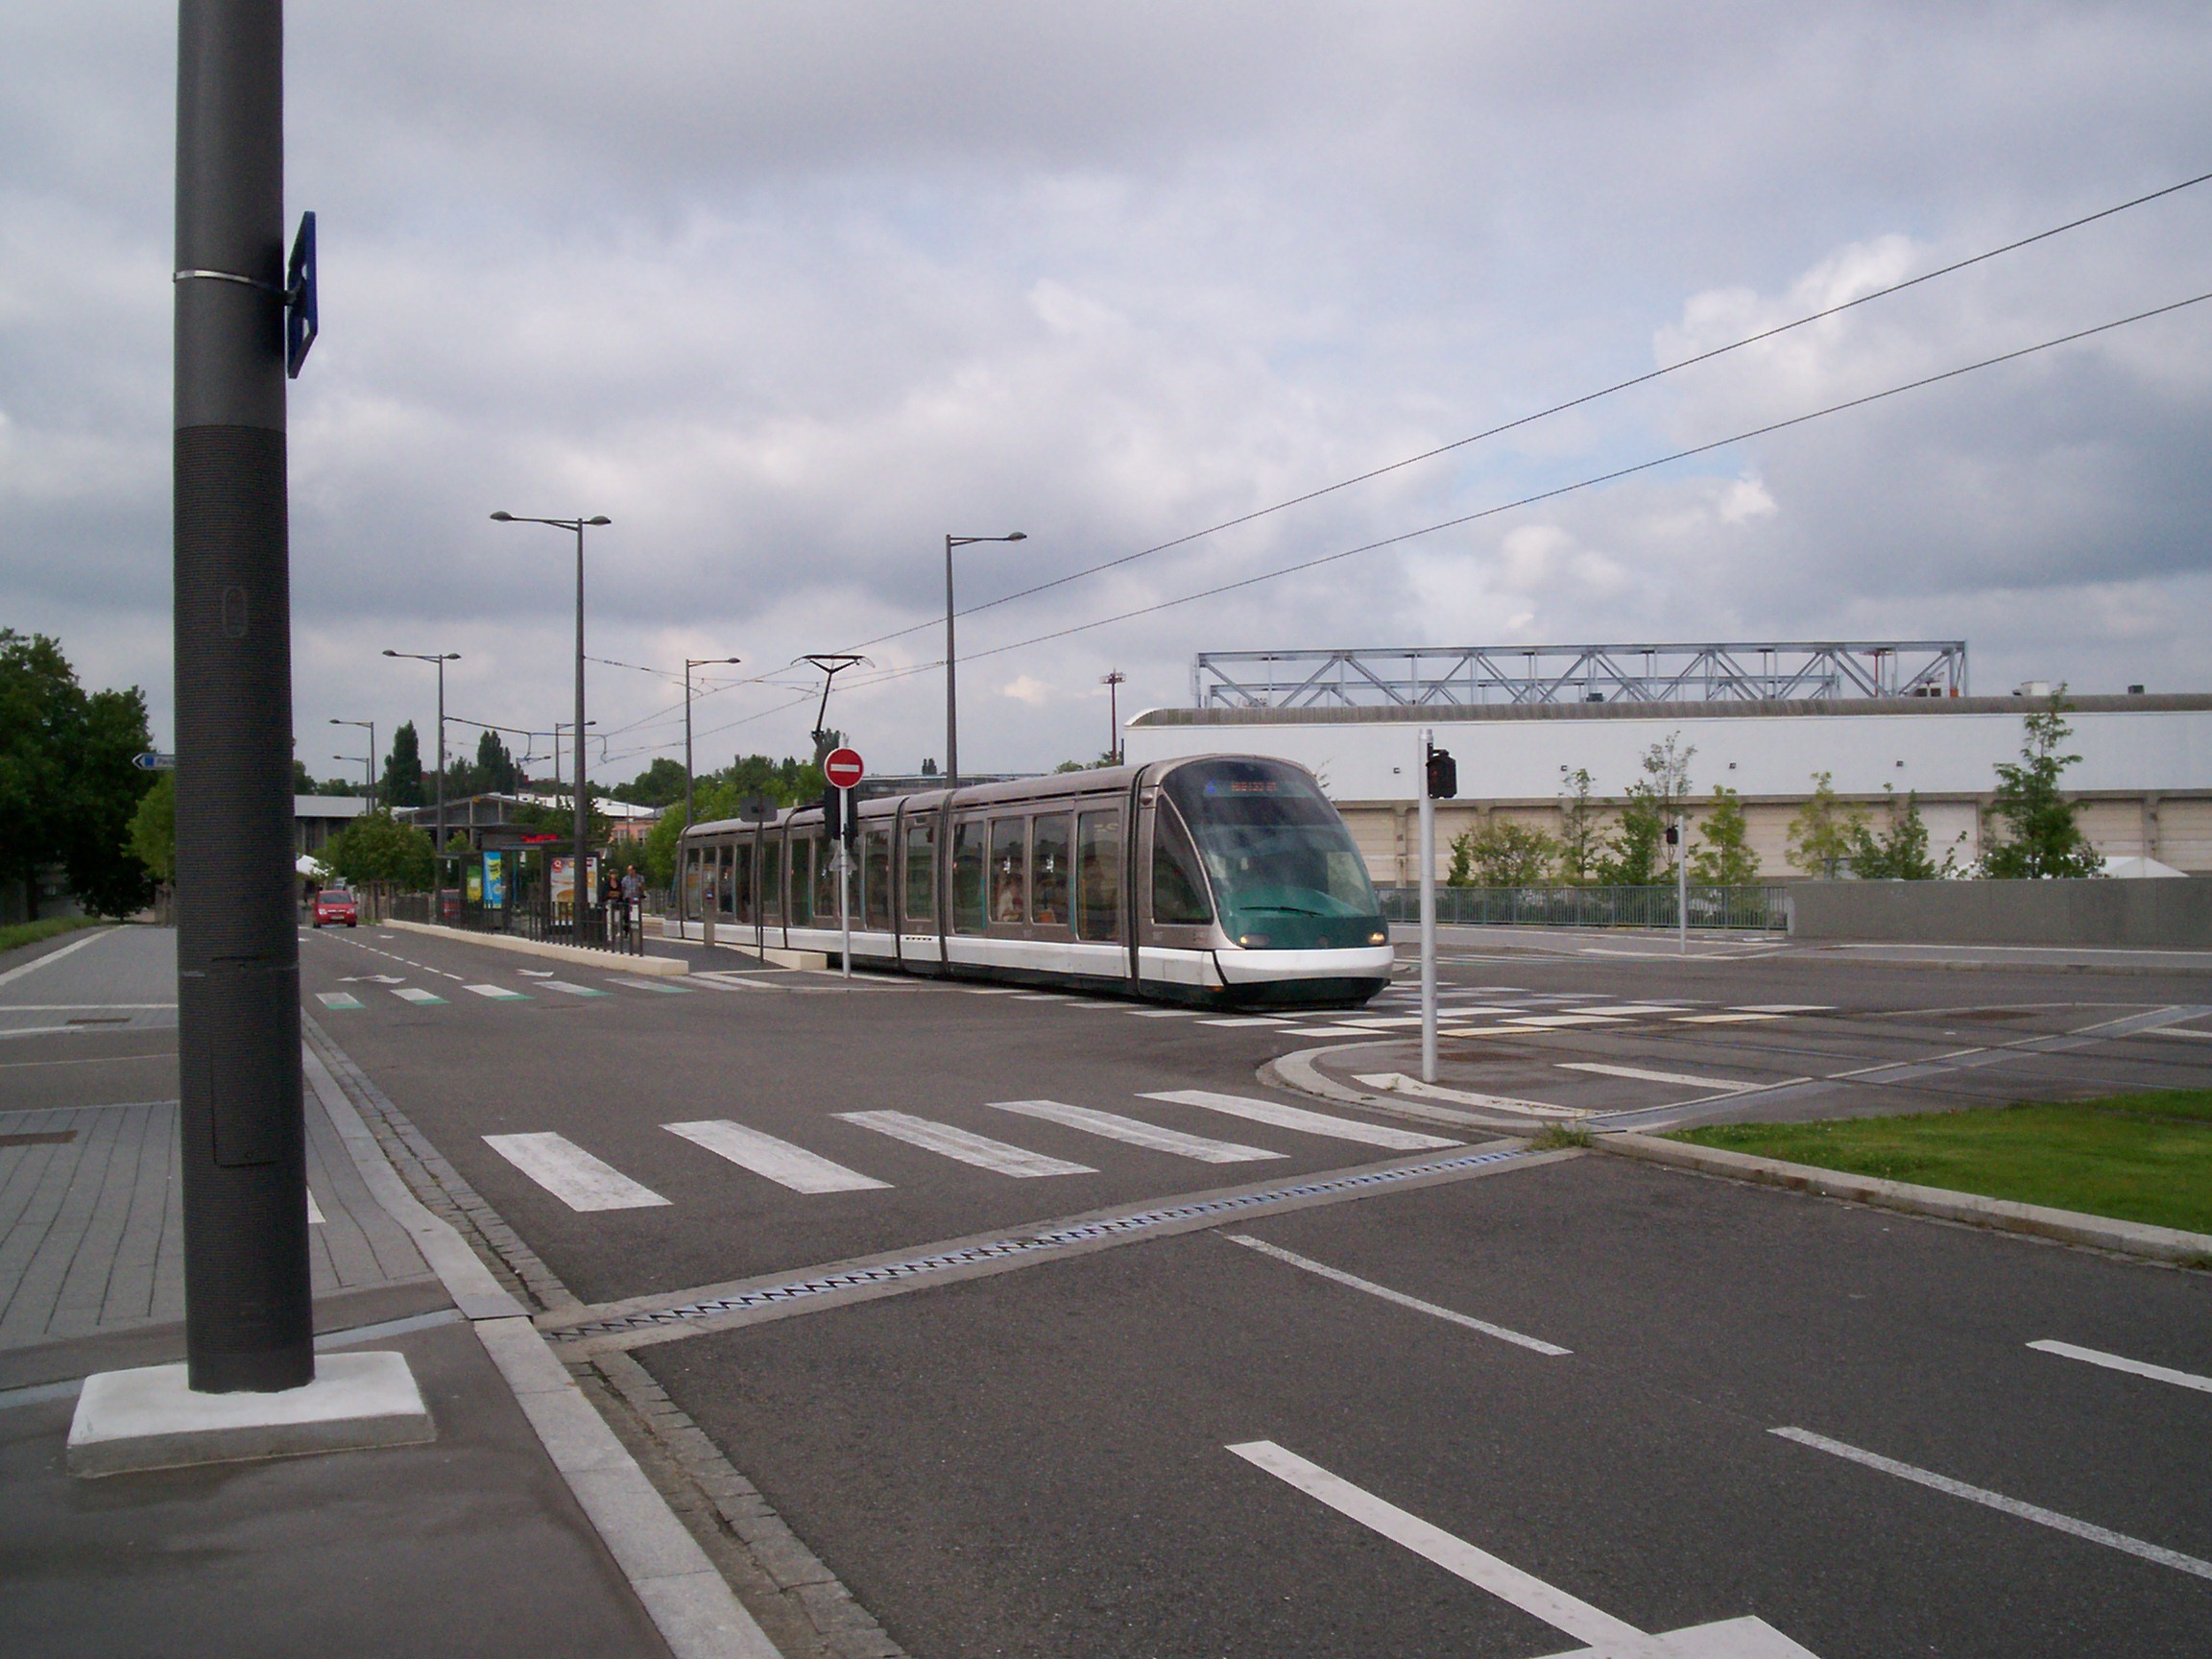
pixel 842 767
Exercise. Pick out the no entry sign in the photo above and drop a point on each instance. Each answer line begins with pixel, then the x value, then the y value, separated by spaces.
pixel 843 768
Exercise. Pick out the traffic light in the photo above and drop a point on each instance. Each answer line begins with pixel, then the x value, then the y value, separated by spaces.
pixel 1443 775
pixel 832 820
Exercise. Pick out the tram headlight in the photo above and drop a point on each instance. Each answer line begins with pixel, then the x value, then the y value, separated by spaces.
pixel 1254 941
pixel 1380 937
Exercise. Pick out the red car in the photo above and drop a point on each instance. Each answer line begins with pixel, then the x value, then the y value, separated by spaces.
pixel 336 904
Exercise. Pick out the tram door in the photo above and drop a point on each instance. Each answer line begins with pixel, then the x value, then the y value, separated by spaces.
pixel 917 888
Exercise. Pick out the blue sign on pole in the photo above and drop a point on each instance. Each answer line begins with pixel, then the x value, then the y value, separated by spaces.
pixel 302 317
pixel 495 881
pixel 154 761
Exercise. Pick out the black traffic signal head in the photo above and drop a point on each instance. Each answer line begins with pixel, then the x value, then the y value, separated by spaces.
pixel 1443 779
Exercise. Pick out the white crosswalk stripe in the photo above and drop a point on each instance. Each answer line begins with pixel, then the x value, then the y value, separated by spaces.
pixel 979 1150
pixel 572 989
pixel 497 993
pixel 1308 1123
pixel 572 1174
pixel 781 1162
pixel 417 996
pixel 1150 1136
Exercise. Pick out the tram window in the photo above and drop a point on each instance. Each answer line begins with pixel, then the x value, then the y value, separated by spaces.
pixel 876 878
pixel 713 880
pixel 727 885
pixel 826 881
pixel 1048 871
pixel 1178 886
pixel 968 861
pixel 802 909
pixel 1009 870
pixel 772 877
pixel 922 874
pixel 692 884
pixel 741 881
pixel 1098 848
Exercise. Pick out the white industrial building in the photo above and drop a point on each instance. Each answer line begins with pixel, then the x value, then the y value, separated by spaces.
pixel 1870 716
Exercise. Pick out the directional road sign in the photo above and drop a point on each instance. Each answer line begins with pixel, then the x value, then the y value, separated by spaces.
pixel 843 768
pixel 152 760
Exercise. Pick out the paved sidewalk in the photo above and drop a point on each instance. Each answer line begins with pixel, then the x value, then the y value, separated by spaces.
pixel 477 1544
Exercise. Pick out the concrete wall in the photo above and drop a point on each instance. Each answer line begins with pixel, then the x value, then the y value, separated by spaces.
pixel 2166 914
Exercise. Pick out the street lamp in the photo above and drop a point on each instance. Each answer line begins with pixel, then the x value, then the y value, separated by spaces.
pixel 583 813
pixel 951 701
pixel 372 726
pixel 441 658
pixel 1113 680
pixel 831 663
pixel 689 663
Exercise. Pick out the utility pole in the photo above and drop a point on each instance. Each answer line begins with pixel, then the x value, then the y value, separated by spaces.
pixel 248 1325
pixel 1427 910
pixel 1113 681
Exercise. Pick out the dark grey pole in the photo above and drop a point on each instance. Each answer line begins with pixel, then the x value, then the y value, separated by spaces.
pixel 682 898
pixel 583 813
pixel 440 883
pixel 952 699
pixel 248 1314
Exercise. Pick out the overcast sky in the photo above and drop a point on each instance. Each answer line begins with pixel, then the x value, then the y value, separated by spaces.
pixel 791 291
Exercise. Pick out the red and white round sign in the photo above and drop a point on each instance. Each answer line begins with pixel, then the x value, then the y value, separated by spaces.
pixel 842 767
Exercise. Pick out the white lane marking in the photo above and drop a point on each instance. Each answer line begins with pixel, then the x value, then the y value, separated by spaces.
pixel 2042 1517
pixel 415 993
pixel 572 1174
pixel 314 1210
pixel 337 1000
pixel 979 1150
pixel 1150 1136
pixel 534 972
pixel 1165 1012
pixel 2174 1031
pixel 1041 997
pixel 718 980
pixel 498 993
pixel 1382 1021
pixel 1398 1083
pixel 1784 1008
pixel 1326 1032
pixel 661 986
pixel 572 989
pixel 1337 1274
pixel 991 990
pixel 1688 1079
pixel 1243 1019
pixel 1608 1637
pixel 80 1007
pixel 1298 1118
pixel 1721 1019
pixel 1627 1008
pixel 2119 1363
pixel 781 1162
pixel 52 956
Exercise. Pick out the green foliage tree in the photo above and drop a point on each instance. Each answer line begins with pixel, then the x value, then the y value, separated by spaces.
pixel 1825 834
pixel 1580 843
pixel 2040 835
pixel 1639 856
pixel 1901 852
pixel 660 785
pixel 154 828
pixel 1723 857
pixel 1502 853
pixel 402 784
pixel 67 784
pixel 376 847
pixel 557 816
pixel 494 772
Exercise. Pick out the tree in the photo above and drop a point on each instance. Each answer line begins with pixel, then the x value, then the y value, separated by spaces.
pixel 660 785
pixel 1579 848
pixel 1502 853
pixel 376 847
pixel 1639 856
pixel 497 773
pixel 154 828
pixel 1900 852
pixel 1824 833
pixel 2040 835
pixel 68 788
pixel 402 784
pixel 1723 857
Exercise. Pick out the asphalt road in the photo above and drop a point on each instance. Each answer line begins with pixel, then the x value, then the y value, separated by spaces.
pixel 1040 1461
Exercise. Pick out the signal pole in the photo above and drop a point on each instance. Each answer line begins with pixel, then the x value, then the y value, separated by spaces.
pixel 246 1299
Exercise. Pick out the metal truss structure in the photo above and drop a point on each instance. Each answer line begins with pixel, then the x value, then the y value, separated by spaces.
pixel 1457 676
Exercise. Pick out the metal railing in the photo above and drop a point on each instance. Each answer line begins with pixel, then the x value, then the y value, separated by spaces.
pixel 616 926
pixel 1759 908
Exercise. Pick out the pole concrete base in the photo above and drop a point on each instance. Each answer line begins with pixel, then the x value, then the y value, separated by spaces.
pixel 128 1421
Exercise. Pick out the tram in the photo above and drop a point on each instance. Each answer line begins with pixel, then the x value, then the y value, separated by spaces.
pixel 1215 880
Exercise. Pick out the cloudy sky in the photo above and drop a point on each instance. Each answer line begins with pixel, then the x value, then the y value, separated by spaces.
pixel 791 291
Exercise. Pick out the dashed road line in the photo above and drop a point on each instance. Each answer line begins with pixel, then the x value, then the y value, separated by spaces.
pixel 2119 1363
pixel 1337 1275
pixel 1688 1080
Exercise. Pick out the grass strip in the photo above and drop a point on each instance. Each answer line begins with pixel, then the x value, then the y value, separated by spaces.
pixel 2131 1157
pixel 17 934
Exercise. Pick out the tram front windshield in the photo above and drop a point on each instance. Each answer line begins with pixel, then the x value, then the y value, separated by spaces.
pixel 1285 872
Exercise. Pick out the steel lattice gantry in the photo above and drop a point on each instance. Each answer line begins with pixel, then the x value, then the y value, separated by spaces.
pixel 1735 672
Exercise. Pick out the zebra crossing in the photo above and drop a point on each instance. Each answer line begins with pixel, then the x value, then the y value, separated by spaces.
pixel 586 1183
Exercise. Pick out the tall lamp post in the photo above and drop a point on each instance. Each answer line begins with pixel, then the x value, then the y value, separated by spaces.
pixel 689 663
pixel 1113 680
pixel 372 726
pixel 441 658
pixel 583 899
pixel 952 700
